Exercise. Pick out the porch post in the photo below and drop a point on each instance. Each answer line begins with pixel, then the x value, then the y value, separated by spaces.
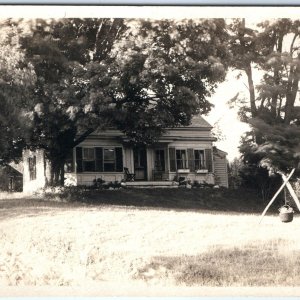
pixel 74 160
pixel 150 164
pixel 129 158
pixel 167 163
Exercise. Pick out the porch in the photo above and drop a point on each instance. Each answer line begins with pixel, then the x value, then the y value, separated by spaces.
pixel 159 165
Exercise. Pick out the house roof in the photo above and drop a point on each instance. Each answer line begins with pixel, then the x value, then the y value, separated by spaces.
pixel 17 166
pixel 10 171
pixel 199 121
pixel 219 152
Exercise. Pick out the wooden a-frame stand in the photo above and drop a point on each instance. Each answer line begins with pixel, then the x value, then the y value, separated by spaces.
pixel 289 187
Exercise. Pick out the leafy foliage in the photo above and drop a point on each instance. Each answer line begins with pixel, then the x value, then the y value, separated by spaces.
pixel 136 75
pixel 16 79
pixel 272 111
pixel 168 70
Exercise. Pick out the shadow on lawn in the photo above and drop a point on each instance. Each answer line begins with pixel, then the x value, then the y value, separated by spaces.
pixel 218 200
pixel 27 207
pixel 267 264
pixel 198 200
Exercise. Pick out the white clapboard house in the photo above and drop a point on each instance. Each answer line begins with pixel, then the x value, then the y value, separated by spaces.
pixel 181 152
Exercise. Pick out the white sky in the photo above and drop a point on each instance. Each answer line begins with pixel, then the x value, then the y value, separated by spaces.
pixel 227 118
pixel 231 127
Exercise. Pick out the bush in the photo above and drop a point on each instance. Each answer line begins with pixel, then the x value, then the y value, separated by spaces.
pixel 76 193
pixel 98 183
pixel 197 184
pixel 63 194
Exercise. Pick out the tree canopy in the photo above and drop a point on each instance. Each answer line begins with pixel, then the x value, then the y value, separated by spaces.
pixel 16 79
pixel 168 72
pixel 139 76
pixel 66 78
pixel 273 49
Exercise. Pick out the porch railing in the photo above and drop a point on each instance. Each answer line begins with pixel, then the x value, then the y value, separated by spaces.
pixel 160 175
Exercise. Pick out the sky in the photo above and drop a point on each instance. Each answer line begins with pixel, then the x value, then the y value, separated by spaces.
pixel 226 117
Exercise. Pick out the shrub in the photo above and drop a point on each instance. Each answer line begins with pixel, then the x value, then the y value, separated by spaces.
pixel 98 183
pixel 76 193
pixel 63 194
pixel 197 184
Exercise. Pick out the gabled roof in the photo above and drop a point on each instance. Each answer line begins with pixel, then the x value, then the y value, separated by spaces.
pixel 199 121
pixel 17 166
pixel 219 152
pixel 10 171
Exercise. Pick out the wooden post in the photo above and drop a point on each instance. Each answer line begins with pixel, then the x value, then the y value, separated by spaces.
pixel 292 192
pixel 285 181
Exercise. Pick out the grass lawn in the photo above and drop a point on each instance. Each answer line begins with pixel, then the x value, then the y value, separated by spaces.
pixel 159 237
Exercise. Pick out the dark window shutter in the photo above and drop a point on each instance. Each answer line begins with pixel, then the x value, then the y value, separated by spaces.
pixel 208 159
pixel 119 159
pixel 72 161
pixel 172 159
pixel 99 159
pixel 79 160
pixel 191 159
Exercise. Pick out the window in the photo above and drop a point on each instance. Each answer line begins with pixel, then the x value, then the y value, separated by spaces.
pixel 99 159
pixel 181 161
pixel 109 159
pixel 88 160
pixel 160 160
pixel 32 167
pixel 199 159
pixel 88 154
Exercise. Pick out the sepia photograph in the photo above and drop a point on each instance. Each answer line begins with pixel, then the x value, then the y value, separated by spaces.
pixel 149 151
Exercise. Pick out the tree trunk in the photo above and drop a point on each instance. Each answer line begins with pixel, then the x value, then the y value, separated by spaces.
pixel 292 91
pixel 275 96
pixel 276 76
pixel 62 174
pixel 248 71
pixel 57 173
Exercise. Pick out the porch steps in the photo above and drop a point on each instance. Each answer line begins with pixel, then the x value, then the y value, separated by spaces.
pixel 151 184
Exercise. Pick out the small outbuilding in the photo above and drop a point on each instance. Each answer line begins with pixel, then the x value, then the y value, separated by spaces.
pixel 11 179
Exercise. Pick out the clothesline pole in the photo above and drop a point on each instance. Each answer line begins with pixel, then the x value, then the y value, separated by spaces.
pixel 285 181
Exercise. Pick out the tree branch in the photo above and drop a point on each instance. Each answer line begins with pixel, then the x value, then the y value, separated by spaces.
pixel 292 44
pixel 97 36
pixel 248 71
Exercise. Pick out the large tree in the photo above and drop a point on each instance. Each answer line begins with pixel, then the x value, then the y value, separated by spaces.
pixel 273 50
pixel 70 60
pixel 16 80
pixel 136 75
pixel 171 70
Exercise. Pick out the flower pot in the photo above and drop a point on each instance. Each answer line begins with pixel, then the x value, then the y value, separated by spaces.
pixel 286 213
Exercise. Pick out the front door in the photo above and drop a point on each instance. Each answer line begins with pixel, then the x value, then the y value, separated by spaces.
pixel 140 163
pixel 159 160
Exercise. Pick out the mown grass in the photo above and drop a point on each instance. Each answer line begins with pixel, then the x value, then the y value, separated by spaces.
pixel 258 264
pixel 160 236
